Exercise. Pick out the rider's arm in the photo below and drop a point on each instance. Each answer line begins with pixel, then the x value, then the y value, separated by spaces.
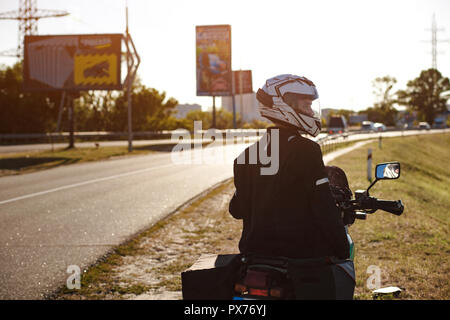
pixel 325 214
pixel 238 203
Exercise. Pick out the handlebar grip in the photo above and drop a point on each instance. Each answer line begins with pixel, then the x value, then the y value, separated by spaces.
pixel 394 207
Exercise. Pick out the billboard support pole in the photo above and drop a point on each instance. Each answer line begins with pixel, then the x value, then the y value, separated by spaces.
pixel 241 90
pixel 233 98
pixel 214 113
pixel 60 112
pixel 71 121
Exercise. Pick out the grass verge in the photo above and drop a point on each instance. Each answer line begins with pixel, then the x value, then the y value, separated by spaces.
pixel 411 250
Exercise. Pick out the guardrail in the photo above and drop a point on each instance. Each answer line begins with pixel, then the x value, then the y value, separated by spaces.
pixel 19 138
pixel 28 138
pixel 327 142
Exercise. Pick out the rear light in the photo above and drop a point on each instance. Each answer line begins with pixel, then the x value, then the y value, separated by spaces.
pixel 238 287
pixel 330 132
pixel 259 292
pixel 340 131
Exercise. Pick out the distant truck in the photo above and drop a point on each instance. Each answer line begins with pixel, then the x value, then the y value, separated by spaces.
pixel 337 124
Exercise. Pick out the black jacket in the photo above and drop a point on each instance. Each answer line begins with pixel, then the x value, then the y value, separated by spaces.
pixel 290 213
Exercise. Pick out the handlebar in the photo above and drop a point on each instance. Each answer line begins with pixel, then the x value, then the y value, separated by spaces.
pixel 394 207
pixel 365 205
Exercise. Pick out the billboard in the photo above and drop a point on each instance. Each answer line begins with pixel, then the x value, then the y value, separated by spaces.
pixel 213 59
pixel 72 62
pixel 243 81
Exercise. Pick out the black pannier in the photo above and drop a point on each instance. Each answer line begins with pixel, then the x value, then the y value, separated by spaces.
pixel 211 277
pixel 322 279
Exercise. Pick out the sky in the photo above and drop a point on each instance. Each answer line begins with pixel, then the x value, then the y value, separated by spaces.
pixel 342 46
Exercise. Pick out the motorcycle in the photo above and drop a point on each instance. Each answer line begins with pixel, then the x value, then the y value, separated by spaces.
pixel 255 277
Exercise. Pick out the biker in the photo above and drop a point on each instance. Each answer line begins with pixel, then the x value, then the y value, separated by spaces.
pixel 290 213
pixel 391 171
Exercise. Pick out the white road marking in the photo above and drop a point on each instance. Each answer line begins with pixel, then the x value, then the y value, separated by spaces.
pixel 31 195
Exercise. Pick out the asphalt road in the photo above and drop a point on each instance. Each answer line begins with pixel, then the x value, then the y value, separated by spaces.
pixel 73 215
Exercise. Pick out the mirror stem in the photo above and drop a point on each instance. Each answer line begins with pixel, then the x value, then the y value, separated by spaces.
pixel 371 186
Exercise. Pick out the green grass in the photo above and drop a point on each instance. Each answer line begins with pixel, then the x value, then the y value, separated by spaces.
pixel 412 250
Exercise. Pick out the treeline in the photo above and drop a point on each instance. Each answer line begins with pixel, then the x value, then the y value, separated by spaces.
pixel 427 95
pixel 37 112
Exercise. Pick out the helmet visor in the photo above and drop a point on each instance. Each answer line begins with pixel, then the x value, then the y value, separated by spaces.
pixel 303 104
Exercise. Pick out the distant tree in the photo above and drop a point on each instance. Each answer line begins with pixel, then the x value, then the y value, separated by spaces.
pixel 423 94
pixel 199 115
pixel 341 112
pixel 35 112
pixel 224 119
pixel 150 109
pixel 24 112
pixel 93 108
pixel 375 114
pixel 383 109
pixel 257 124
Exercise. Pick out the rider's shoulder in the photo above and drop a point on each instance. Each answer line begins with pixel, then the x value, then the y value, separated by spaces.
pixel 298 143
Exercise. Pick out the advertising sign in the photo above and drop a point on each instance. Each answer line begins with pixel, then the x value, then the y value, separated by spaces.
pixel 243 81
pixel 213 56
pixel 72 62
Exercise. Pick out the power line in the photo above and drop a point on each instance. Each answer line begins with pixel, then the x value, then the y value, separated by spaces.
pixel 28 16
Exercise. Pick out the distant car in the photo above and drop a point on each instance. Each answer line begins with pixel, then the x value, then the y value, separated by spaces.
pixel 439 123
pixel 337 124
pixel 424 125
pixel 379 126
pixel 367 126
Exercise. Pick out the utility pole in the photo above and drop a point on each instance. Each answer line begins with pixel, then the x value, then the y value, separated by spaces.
pixel 28 16
pixel 434 41
pixel 129 85
pixel 133 61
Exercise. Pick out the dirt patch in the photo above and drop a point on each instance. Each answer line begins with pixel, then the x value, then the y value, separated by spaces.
pixel 150 266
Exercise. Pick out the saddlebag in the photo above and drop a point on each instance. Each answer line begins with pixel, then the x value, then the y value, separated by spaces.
pixel 322 279
pixel 211 277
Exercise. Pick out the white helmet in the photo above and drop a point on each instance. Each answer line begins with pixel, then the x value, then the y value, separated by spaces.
pixel 276 108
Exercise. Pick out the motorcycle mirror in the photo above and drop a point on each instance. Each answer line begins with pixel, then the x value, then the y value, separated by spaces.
pixel 388 170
